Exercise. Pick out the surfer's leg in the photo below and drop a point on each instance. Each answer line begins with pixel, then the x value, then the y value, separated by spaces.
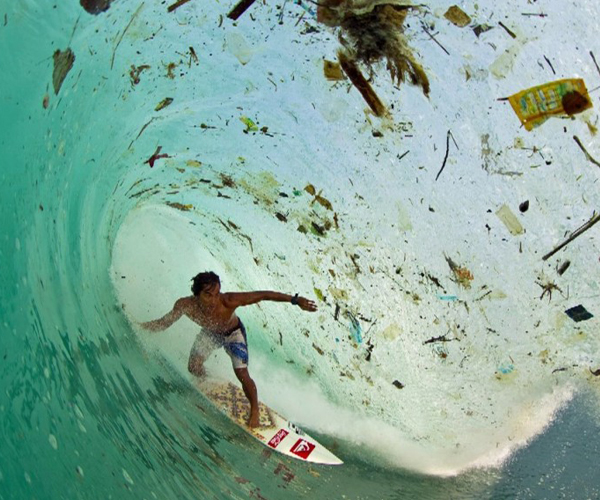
pixel 236 346
pixel 196 365
pixel 251 393
pixel 201 349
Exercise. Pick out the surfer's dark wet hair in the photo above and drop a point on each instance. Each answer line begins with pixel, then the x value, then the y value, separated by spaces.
pixel 204 280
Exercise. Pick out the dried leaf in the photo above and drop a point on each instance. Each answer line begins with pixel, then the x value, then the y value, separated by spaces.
pixel 63 62
pixel 457 16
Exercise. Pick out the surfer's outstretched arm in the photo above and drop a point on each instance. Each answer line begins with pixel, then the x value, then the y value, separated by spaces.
pixel 239 299
pixel 167 320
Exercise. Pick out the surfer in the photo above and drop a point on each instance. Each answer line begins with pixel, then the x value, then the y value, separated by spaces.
pixel 214 312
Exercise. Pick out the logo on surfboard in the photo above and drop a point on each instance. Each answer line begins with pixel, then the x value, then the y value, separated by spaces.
pixel 302 448
pixel 277 438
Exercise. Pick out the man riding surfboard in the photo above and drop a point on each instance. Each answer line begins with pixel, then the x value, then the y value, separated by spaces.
pixel 214 312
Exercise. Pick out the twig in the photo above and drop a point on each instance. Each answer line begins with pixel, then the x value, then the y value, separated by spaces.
pixel 112 61
pixel 434 39
pixel 507 30
pixel 141 131
pixel 529 14
pixel 594 59
pixel 550 64
pixel 73 32
pixel 281 13
pixel 587 155
pixel 443 338
pixel 446 155
pixel 578 232
pixel 300 18
pixel 403 155
pixel 361 83
pixel 239 9
pixel 176 5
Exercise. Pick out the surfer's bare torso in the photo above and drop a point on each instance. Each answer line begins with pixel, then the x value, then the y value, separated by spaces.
pixel 215 317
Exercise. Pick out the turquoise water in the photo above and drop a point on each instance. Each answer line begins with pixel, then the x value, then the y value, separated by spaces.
pixel 93 408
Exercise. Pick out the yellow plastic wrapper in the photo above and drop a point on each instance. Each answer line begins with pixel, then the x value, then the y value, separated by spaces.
pixel 562 97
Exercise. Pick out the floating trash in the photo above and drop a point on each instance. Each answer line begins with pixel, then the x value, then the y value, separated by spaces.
pixel 535 105
pixel 578 313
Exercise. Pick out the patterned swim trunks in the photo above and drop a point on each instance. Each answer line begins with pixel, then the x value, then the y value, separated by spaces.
pixel 233 341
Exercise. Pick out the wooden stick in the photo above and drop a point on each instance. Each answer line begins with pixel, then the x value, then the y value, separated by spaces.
pixel 176 5
pixel 550 64
pixel 112 61
pixel 587 155
pixel 594 59
pixel 434 39
pixel 239 9
pixel 446 155
pixel 578 232
pixel 363 86
pixel 507 30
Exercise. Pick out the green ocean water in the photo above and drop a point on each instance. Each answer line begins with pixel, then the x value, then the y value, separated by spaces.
pixel 90 409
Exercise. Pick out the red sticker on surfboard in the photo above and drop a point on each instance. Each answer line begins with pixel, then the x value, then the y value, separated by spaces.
pixel 302 448
pixel 277 438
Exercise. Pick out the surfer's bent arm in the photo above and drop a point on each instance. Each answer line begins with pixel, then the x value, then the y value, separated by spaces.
pixel 167 320
pixel 238 299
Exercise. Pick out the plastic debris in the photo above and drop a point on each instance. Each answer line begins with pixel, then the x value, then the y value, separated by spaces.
pixel 578 313
pixel 63 62
pixel 333 71
pixel 535 105
pixel 164 103
pixel 355 328
pixel 449 298
pixel 457 16
pixel 250 125
pixel 563 267
pixel 510 220
pixel 156 156
pixel 481 28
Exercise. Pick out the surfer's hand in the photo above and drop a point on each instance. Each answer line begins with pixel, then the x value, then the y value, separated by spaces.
pixel 306 304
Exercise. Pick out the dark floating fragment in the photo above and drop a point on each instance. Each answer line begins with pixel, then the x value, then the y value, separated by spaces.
pixel 63 62
pixel 573 102
pixel 398 384
pixel 564 266
pixel 523 207
pixel 578 313
pixel 95 6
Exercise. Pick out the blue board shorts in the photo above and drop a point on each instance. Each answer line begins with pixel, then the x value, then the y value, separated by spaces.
pixel 233 341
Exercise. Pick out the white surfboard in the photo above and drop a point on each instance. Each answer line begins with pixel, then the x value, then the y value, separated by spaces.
pixel 275 432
